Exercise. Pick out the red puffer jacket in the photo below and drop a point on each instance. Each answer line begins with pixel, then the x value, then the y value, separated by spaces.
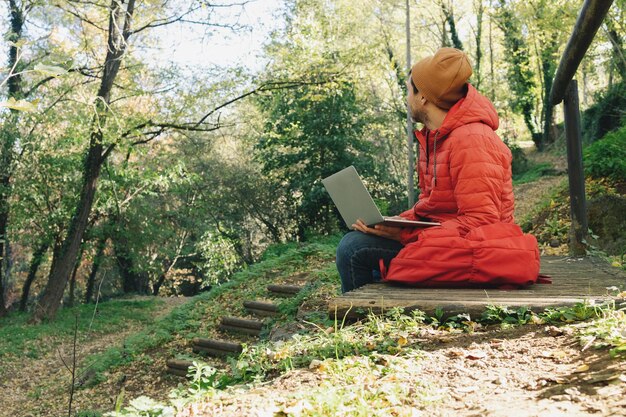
pixel 464 170
pixel 465 176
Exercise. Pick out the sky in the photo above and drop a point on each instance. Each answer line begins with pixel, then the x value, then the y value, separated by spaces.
pixel 190 44
pixel 223 47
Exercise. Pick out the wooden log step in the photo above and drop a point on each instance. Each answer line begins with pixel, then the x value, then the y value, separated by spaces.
pixel 178 367
pixel 177 372
pixel 236 329
pixel 216 353
pixel 216 347
pixel 179 364
pixel 284 290
pixel 246 323
pixel 261 308
pixel 237 325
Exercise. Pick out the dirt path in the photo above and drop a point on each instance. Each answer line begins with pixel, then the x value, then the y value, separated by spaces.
pixel 40 387
pixel 528 195
pixel 530 371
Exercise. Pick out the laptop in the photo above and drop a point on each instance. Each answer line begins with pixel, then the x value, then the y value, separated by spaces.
pixel 354 201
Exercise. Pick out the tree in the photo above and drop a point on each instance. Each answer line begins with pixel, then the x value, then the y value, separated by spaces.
pixel 9 133
pixel 122 24
pixel 311 133
pixel 520 75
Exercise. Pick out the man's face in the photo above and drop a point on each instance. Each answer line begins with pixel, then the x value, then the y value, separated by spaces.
pixel 416 108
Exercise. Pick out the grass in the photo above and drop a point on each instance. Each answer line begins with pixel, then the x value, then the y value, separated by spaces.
pixel 368 368
pixel 372 367
pixel 197 318
pixel 534 172
pixel 18 337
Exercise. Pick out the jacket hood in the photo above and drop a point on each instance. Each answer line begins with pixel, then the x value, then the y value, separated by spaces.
pixel 473 108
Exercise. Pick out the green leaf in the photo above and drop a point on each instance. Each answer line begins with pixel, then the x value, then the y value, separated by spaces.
pixel 50 70
pixel 21 105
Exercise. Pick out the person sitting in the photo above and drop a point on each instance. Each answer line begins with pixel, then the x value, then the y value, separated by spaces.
pixel 464 169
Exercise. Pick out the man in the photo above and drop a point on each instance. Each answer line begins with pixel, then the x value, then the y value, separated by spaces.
pixel 464 168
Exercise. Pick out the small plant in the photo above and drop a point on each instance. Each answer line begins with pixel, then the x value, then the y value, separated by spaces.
pixel 205 377
pixel 143 407
pixel 508 316
pixel 606 158
pixel 88 413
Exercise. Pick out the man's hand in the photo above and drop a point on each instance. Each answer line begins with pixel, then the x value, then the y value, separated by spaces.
pixel 388 232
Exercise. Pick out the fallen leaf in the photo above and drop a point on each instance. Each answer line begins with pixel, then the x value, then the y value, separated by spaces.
pixel 582 368
pixel 476 354
pixel 315 363
pixel 553 331
pixel 402 341
pixel 456 352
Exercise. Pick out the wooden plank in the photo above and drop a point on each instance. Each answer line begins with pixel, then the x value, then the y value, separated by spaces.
pixel 574 281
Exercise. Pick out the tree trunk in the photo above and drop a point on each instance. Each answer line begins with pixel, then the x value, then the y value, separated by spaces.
pixel 449 18
pixel 617 46
pixel 131 280
pixel 72 289
pixel 97 260
pixel 167 266
pixel 548 66
pixel 118 33
pixel 491 68
pixel 35 263
pixel 8 137
pixel 479 35
pixel 519 75
pixel 3 228
pixel 63 265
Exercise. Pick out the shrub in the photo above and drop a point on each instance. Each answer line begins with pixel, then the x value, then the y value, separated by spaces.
pixel 606 158
pixel 607 114
pixel 520 161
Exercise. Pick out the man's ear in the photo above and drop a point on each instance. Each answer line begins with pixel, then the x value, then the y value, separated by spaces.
pixel 423 99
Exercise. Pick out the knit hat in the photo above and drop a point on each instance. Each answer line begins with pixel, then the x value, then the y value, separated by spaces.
pixel 442 78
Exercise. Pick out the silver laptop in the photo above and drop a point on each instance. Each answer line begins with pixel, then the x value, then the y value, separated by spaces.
pixel 354 201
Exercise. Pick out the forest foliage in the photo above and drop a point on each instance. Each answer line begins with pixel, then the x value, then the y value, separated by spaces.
pixel 123 174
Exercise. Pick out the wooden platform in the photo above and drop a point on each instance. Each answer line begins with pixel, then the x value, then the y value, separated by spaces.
pixel 574 280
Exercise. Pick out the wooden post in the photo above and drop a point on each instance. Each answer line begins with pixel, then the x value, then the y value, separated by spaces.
pixel 578 204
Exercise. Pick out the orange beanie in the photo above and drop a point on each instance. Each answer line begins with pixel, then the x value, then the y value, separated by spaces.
pixel 442 78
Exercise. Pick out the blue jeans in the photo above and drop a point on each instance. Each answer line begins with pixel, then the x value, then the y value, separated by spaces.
pixel 358 256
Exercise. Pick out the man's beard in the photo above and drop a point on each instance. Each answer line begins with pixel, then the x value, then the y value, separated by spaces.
pixel 418 116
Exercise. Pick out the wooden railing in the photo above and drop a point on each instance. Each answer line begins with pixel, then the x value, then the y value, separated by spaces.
pixel 565 88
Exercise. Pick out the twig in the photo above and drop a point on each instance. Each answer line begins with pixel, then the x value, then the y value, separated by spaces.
pixel 69 411
pixel 97 299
